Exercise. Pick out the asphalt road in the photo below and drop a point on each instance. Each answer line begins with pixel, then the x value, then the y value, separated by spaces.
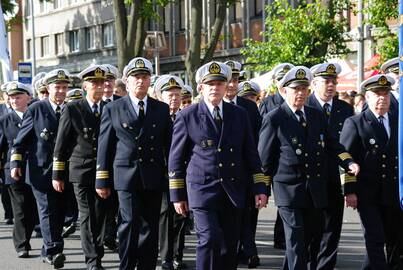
pixel 351 250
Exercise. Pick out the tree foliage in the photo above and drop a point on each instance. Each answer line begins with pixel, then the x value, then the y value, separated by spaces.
pixel 380 12
pixel 306 35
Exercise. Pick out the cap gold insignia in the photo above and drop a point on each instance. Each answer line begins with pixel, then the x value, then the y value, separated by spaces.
pixel 214 68
pixel 14 86
pixel 247 86
pixel 139 63
pixel 300 74
pixel 382 80
pixel 331 69
pixel 172 82
pixel 231 64
pixel 286 68
pixel 61 74
pixel 98 73
pixel 77 93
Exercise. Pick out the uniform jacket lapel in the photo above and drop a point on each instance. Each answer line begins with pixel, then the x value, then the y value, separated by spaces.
pixel 227 120
pixel 373 122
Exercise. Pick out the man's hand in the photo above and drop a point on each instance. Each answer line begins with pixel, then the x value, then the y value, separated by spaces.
pixel 261 201
pixel 351 200
pixel 58 185
pixel 181 208
pixel 353 169
pixel 103 192
pixel 16 173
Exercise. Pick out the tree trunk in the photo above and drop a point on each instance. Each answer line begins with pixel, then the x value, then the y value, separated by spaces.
pixel 141 36
pixel 192 60
pixel 217 27
pixel 126 30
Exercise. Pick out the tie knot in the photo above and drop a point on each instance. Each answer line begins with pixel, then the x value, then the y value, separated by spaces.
pixel 95 106
pixel 108 100
pixel 299 113
pixel 58 109
pixel 141 103
pixel 232 102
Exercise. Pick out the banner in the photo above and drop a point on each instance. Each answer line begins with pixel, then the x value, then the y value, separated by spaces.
pixel 401 103
pixel 4 53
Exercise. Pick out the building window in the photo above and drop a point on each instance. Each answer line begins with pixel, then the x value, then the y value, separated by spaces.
pixel 258 7
pixel 90 38
pixel 28 49
pixel 57 4
pixel 182 15
pixel 44 46
pixel 59 43
pixel 73 41
pixel 108 34
pixel 44 6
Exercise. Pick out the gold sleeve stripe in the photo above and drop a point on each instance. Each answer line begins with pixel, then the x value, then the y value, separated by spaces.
pixel 102 174
pixel 176 183
pixel 261 178
pixel 344 156
pixel 346 178
pixel 16 157
pixel 58 166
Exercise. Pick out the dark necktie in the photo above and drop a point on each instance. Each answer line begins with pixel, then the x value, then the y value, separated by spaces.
pixel 326 109
pixel 95 110
pixel 302 121
pixel 217 118
pixel 58 112
pixel 232 102
pixel 173 117
pixel 384 132
pixel 141 111
pixel 108 100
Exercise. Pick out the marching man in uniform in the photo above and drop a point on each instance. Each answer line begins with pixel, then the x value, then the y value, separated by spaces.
pixel 214 150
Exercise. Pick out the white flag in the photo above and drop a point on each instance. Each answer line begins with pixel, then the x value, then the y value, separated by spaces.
pixel 4 53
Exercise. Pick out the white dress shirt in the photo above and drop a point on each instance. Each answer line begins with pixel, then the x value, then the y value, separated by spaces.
pixel 211 108
pixel 135 103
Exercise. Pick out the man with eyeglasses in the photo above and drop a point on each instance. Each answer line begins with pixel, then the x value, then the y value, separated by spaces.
pixel 335 111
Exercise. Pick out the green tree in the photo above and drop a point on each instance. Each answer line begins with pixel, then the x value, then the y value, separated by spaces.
pixel 307 34
pixel 380 12
pixel 193 59
pixel 130 20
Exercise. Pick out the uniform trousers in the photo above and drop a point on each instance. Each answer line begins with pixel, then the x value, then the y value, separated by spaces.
pixel 5 200
pixel 51 210
pixel 218 231
pixel 380 223
pixel 172 228
pixel 301 225
pixel 25 214
pixel 92 222
pixel 138 230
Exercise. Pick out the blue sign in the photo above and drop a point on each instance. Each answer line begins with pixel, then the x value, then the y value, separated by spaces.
pixel 25 72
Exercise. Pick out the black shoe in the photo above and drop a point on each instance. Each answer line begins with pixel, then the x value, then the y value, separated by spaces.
pixel 68 230
pixel 178 265
pixel 279 245
pixel 253 261
pixel 47 259
pixel 9 221
pixel 167 265
pixel 23 254
pixel 111 244
pixel 58 260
